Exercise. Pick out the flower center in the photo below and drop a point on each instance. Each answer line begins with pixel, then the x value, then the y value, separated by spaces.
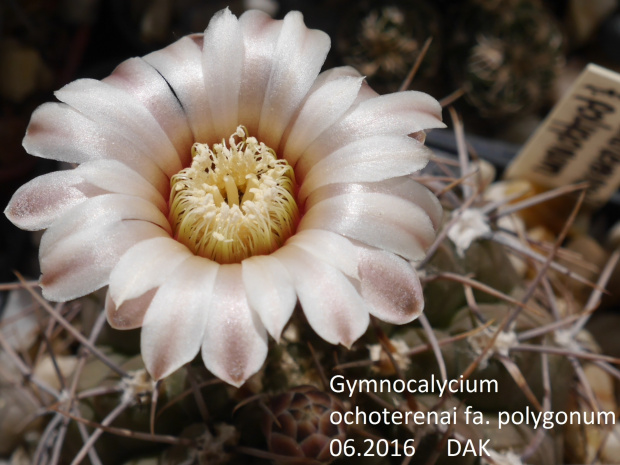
pixel 233 202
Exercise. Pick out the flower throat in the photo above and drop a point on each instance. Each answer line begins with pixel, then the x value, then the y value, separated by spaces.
pixel 233 202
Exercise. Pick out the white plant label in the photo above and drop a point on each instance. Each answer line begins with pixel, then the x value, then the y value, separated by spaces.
pixel 579 140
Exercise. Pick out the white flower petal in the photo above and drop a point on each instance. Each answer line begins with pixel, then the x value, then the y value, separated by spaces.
pixel 367 160
pixel 180 64
pixel 401 113
pixel 333 74
pixel 101 211
pixel 329 247
pixel 141 80
pixel 116 177
pixel 332 305
pixel 235 343
pixel 222 64
pixel 81 262
pixel 59 132
pixel 144 266
pixel 398 113
pixel 269 291
pixel 403 187
pixel 118 111
pixel 324 105
pixel 390 286
pixel 260 37
pixel 298 57
pixel 175 322
pixel 379 220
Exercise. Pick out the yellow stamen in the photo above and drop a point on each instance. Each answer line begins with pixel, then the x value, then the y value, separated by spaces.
pixel 233 202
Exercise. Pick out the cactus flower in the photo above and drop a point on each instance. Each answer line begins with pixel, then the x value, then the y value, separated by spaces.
pixel 220 181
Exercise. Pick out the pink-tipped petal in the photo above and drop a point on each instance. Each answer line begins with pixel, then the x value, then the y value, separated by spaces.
pixel 81 263
pixel 324 105
pixel 379 220
pixel 332 305
pixel 270 291
pixel 298 57
pixel 144 266
pixel 130 314
pixel 38 203
pixel 58 132
pixel 180 64
pixel 390 286
pixel 235 342
pixel 387 283
pixel 403 187
pixel 222 65
pixel 367 160
pixel 175 322
pixel 122 114
pixel 401 113
pixel 141 80
pixel 79 250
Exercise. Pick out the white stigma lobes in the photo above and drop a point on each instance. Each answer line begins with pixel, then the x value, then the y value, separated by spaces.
pixel 233 202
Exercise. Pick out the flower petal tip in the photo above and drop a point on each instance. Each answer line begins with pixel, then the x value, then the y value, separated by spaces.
pixel 159 368
pixel 129 314
pixel 235 375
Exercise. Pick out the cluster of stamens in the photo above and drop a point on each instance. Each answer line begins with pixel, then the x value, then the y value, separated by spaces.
pixel 233 202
